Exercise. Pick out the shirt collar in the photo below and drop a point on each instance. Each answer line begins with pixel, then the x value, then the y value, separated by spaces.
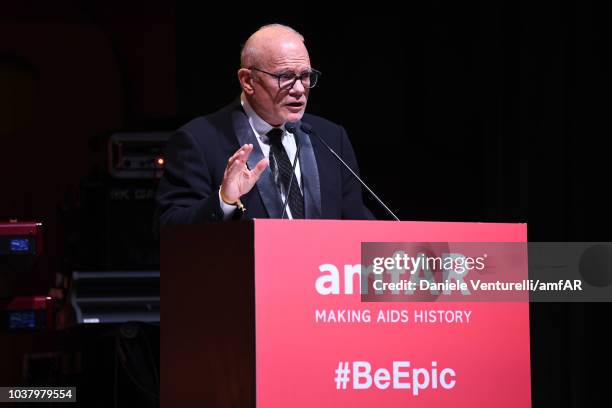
pixel 260 126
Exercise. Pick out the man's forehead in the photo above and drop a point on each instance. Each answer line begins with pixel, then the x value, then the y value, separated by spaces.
pixel 285 48
pixel 287 55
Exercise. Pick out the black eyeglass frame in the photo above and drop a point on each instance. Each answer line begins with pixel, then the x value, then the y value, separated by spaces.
pixel 293 77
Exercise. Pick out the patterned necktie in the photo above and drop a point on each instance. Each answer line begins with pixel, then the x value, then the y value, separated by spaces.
pixel 279 160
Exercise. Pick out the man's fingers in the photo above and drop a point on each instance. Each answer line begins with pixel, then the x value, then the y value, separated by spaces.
pixel 234 169
pixel 259 168
pixel 246 151
pixel 241 154
pixel 236 154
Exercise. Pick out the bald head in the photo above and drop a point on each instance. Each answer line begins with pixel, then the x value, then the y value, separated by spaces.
pixel 268 43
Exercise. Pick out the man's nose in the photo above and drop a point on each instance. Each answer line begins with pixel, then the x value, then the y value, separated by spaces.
pixel 298 87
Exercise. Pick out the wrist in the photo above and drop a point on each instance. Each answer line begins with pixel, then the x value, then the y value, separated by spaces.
pixel 235 203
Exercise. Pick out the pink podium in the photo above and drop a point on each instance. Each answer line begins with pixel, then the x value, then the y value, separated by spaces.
pixel 268 314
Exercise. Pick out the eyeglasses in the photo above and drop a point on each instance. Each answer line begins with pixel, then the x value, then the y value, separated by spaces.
pixel 286 80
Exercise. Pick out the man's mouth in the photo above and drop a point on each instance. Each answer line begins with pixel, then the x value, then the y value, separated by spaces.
pixel 295 107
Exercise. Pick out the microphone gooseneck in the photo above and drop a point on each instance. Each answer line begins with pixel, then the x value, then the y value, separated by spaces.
pixel 309 130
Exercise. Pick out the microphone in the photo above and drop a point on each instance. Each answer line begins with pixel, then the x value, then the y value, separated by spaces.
pixel 309 130
pixel 290 127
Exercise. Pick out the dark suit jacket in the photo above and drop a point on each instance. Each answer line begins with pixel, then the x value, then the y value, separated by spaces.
pixel 198 152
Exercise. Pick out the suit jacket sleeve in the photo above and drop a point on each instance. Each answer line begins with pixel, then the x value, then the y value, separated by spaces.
pixel 352 200
pixel 186 194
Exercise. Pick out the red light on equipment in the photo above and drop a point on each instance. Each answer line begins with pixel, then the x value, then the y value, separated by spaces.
pixel 160 161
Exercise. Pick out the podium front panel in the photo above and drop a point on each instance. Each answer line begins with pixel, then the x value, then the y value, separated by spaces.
pixel 319 345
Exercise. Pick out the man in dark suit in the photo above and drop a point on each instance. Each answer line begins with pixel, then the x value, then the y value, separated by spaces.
pixel 237 162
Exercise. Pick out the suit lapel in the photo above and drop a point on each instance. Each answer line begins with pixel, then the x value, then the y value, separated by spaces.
pixel 265 185
pixel 311 184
